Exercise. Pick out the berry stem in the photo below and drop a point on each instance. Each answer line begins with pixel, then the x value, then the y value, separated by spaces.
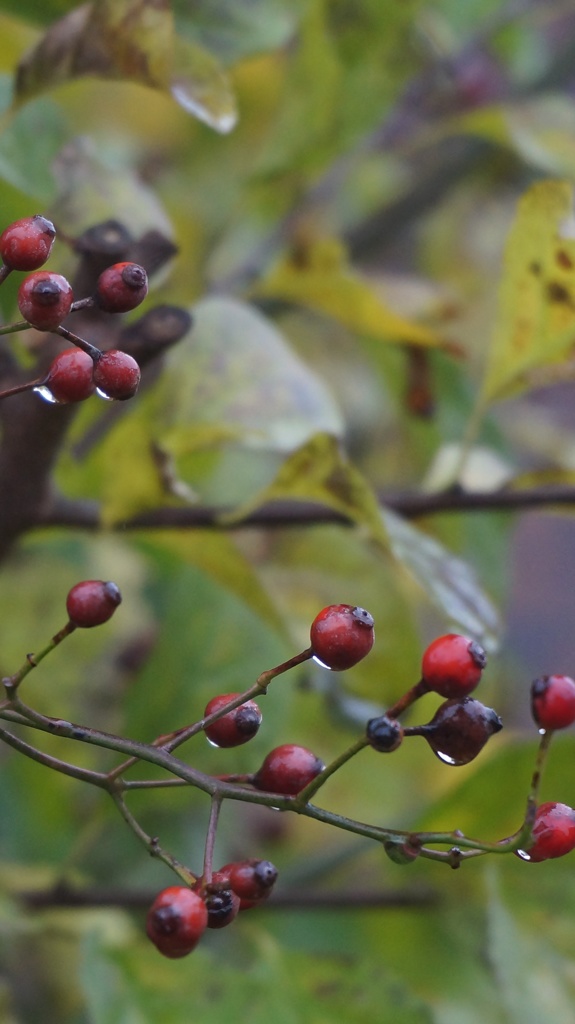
pixel 211 838
pixel 74 339
pixel 12 683
pixel 19 388
pixel 312 787
pixel 4 271
pixel 408 699
pixel 64 767
pixel 151 842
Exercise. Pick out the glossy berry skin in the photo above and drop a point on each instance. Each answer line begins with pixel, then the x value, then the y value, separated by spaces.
pixel 27 243
pixel 92 602
pixel 252 880
pixel 117 375
pixel 452 665
pixel 71 376
pixel 45 299
pixel 287 769
pixel 460 729
pixel 235 728
pixel 341 635
pixel 384 734
pixel 553 702
pixel 222 906
pixel 176 921
pixel 121 287
pixel 553 833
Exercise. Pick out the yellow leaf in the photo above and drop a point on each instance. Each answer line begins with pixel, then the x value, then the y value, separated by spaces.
pixel 535 323
pixel 320 278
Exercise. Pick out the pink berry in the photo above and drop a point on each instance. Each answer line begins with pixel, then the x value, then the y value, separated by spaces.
pixel 341 635
pixel 288 769
pixel 452 665
pixel 45 299
pixel 553 833
pixel 121 287
pixel 92 602
pixel 117 375
pixel 27 243
pixel 71 376
pixel 553 701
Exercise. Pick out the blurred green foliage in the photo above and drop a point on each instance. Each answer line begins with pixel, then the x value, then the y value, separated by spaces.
pixel 342 251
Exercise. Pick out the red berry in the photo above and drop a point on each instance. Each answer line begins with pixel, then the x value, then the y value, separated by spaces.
pixel 117 375
pixel 384 734
pixel 553 832
pixel 459 730
pixel 27 243
pixel 235 728
pixel 288 769
pixel 341 635
pixel 45 299
pixel 70 377
pixel 252 880
pixel 452 665
pixel 92 602
pixel 553 701
pixel 121 287
pixel 176 921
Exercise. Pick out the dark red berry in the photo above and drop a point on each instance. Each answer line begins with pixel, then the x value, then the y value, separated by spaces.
pixel 384 734
pixel 553 701
pixel 92 602
pixel 121 287
pixel 222 906
pixel 27 243
pixel 252 880
pixel 235 728
pixel 452 665
pixel 117 375
pixel 288 769
pixel 553 833
pixel 70 377
pixel 341 635
pixel 45 299
pixel 459 730
pixel 176 921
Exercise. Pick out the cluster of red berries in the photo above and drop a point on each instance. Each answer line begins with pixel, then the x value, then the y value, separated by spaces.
pixel 180 915
pixel 45 299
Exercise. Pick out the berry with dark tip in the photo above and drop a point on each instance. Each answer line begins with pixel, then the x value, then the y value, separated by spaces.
pixel 384 734
pixel 117 375
pixel 452 665
pixel 45 299
pixel 553 701
pixel 121 287
pixel 222 906
pixel 176 921
pixel 252 880
pixel 341 635
pixel 553 833
pixel 287 769
pixel 92 602
pixel 237 726
pixel 459 730
pixel 26 244
pixel 70 377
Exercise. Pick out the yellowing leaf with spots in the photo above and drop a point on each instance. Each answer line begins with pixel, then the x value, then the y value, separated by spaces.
pixel 319 277
pixel 535 324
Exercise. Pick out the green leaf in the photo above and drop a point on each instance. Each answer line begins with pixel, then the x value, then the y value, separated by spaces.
pixel 239 29
pixel 39 128
pixel 131 41
pixel 236 370
pixel 320 278
pixel 536 315
pixel 448 581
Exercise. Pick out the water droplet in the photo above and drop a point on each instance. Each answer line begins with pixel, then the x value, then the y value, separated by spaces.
pixel 542 731
pixel 46 394
pixel 212 744
pixel 523 854
pixel 446 758
pixel 319 662
pixel 103 395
